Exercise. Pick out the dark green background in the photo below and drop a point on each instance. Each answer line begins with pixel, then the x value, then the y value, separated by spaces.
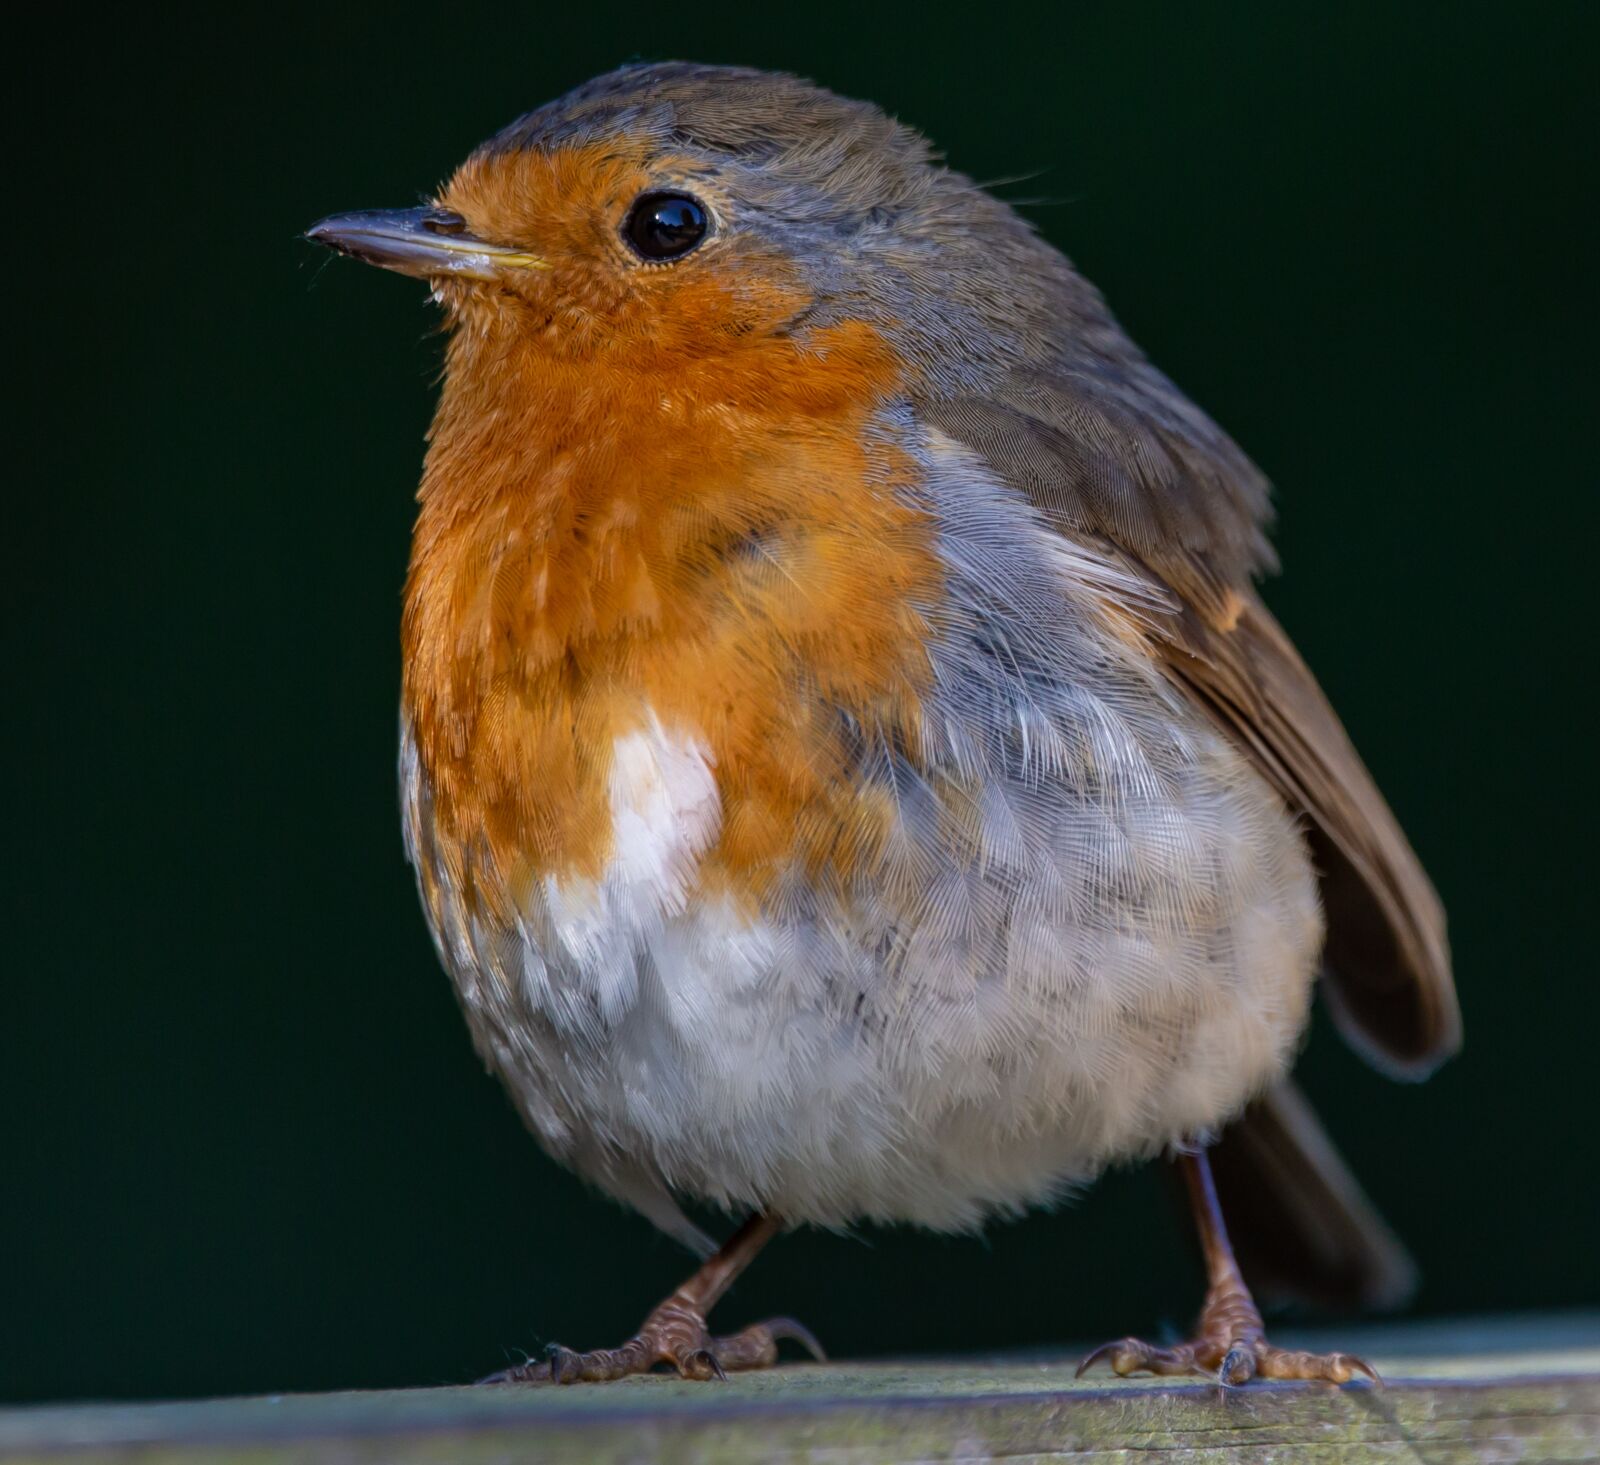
pixel 244 1142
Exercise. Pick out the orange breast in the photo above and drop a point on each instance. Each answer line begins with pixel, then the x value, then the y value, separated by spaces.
pixel 725 542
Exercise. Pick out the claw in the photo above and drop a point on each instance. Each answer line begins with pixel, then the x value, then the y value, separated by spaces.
pixel 516 1373
pixel 1344 1366
pixel 1238 1367
pixel 1105 1350
pixel 563 1365
pixel 702 1363
pixel 787 1327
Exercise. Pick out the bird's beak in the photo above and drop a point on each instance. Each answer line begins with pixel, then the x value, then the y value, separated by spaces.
pixel 426 242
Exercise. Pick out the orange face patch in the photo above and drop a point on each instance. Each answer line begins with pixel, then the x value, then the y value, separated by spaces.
pixel 642 495
pixel 597 297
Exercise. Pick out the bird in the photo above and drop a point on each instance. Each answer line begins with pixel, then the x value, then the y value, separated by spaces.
pixel 850 772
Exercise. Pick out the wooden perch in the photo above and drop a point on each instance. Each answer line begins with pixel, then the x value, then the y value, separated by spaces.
pixel 1508 1390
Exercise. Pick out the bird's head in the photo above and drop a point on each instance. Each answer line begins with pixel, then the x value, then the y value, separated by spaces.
pixel 680 211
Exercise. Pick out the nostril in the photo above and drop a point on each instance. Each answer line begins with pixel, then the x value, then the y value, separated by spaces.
pixel 443 221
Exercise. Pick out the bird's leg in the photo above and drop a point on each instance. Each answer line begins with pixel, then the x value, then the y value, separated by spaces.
pixel 676 1331
pixel 1230 1342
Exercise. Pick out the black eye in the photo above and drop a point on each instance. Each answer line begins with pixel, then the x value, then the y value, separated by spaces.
pixel 665 225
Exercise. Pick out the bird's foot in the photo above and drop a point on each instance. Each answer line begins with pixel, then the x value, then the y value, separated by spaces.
pixel 675 1334
pixel 1230 1340
pixel 1228 1360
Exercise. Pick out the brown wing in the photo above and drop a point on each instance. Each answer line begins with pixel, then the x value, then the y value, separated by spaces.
pixel 1112 453
pixel 1387 958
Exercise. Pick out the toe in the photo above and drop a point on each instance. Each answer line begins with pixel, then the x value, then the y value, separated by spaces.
pixel 1332 1368
pixel 757 1345
pixel 1130 1355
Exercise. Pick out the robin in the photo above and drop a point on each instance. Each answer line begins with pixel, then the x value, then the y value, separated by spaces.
pixel 849 772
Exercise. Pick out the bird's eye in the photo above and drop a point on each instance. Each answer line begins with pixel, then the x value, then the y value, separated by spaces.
pixel 665 225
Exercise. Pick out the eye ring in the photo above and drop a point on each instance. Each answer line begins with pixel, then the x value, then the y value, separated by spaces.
pixel 665 225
